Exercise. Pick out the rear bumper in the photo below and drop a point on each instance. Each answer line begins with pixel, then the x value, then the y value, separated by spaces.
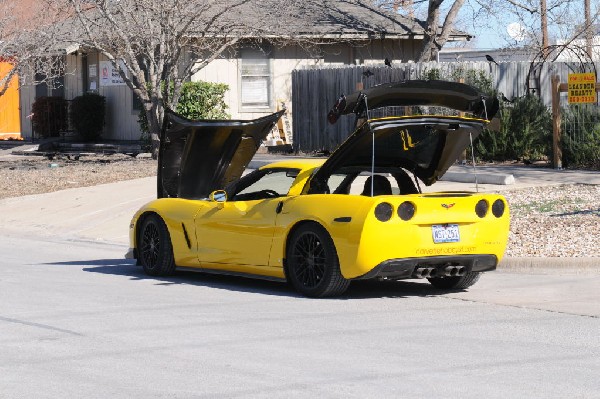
pixel 406 268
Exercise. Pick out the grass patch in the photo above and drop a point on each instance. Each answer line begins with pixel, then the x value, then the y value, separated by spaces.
pixel 547 206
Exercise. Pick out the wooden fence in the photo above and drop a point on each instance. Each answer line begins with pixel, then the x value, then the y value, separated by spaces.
pixel 315 90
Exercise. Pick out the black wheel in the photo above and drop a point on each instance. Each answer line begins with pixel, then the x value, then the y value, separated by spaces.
pixel 312 264
pixel 154 247
pixel 455 282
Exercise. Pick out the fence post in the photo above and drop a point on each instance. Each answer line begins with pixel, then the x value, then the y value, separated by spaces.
pixel 556 150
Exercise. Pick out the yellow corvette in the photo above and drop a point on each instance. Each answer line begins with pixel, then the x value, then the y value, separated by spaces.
pixel 320 224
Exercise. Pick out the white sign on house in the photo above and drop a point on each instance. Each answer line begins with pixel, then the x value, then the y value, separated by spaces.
pixel 109 75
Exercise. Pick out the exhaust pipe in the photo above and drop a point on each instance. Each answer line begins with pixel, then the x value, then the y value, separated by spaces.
pixel 426 272
pixel 420 273
pixel 449 271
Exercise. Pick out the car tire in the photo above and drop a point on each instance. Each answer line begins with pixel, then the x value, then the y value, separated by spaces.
pixel 455 282
pixel 155 249
pixel 312 265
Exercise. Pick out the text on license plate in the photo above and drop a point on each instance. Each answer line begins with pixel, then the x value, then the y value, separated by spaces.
pixel 445 233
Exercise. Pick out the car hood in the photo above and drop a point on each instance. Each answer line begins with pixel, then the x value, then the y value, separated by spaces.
pixel 198 157
pixel 424 145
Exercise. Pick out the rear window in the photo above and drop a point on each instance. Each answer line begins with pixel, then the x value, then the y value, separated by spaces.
pixel 415 145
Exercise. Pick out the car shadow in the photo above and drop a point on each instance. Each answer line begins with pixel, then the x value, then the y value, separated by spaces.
pixel 359 289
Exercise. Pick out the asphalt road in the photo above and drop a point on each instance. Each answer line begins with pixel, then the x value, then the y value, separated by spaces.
pixel 76 320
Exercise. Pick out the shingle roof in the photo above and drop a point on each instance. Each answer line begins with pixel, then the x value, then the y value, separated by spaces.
pixel 359 18
pixel 300 19
pixel 346 19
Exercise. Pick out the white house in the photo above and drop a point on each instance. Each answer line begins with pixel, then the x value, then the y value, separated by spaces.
pixel 258 76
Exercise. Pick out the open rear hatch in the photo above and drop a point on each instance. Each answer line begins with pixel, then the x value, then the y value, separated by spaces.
pixel 426 145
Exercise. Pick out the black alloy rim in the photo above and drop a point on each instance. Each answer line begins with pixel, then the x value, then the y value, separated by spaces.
pixel 309 260
pixel 150 245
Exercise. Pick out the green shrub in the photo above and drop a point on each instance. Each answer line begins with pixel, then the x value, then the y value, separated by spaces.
pixel 525 125
pixel 203 100
pixel 525 132
pixel 198 100
pixel 49 116
pixel 580 138
pixel 476 78
pixel 431 74
pixel 479 79
pixel 492 145
pixel 87 115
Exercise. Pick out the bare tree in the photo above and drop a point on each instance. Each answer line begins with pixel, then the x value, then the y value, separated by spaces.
pixel 7 54
pixel 156 45
pixel 26 46
pixel 436 34
pixel 542 22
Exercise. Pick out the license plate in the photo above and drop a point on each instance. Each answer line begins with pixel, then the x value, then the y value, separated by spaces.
pixel 445 233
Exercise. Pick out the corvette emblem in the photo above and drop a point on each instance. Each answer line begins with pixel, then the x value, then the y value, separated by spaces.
pixel 448 206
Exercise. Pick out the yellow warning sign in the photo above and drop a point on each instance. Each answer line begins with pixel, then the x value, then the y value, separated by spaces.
pixel 582 88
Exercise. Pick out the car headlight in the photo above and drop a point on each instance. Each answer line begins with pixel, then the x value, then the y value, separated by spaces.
pixel 406 210
pixel 384 211
pixel 482 207
pixel 498 208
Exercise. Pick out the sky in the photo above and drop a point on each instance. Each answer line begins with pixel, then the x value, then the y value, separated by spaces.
pixel 491 29
pixel 489 37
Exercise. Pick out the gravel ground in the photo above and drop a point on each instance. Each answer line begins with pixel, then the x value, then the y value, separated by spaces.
pixel 35 175
pixel 555 221
pixel 550 221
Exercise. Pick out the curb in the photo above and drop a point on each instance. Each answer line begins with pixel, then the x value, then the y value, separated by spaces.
pixel 530 264
pixel 482 178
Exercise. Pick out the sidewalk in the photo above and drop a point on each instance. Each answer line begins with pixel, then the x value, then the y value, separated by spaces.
pixel 98 213
pixel 102 213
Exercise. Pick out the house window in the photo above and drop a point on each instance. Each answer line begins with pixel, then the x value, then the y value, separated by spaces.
pixel 255 80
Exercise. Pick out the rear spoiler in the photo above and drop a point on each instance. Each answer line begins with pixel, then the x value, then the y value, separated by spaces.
pixel 458 96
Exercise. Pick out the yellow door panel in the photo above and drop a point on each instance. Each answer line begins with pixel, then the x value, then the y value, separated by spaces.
pixel 236 232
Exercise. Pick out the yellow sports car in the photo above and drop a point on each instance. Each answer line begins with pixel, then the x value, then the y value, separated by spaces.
pixel 320 224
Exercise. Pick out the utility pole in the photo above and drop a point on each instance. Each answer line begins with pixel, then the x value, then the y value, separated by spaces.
pixel 544 18
pixel 588 29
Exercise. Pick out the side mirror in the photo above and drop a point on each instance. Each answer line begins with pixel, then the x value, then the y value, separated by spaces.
pixel 218 196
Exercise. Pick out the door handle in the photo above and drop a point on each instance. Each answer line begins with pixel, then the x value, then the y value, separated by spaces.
pixel 279 207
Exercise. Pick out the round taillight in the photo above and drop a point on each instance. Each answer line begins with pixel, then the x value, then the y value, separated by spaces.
pixel 482 207
pixel 498 208
pixel 406 210
pixel 384 211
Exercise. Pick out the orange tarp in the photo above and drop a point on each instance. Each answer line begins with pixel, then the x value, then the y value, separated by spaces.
pixel 10 118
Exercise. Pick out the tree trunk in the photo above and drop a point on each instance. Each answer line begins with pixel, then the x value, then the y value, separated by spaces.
pixel 431 30
pixel 434 40
pixel 154 128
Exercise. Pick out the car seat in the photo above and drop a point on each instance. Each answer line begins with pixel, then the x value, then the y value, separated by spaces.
pixel 381 186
